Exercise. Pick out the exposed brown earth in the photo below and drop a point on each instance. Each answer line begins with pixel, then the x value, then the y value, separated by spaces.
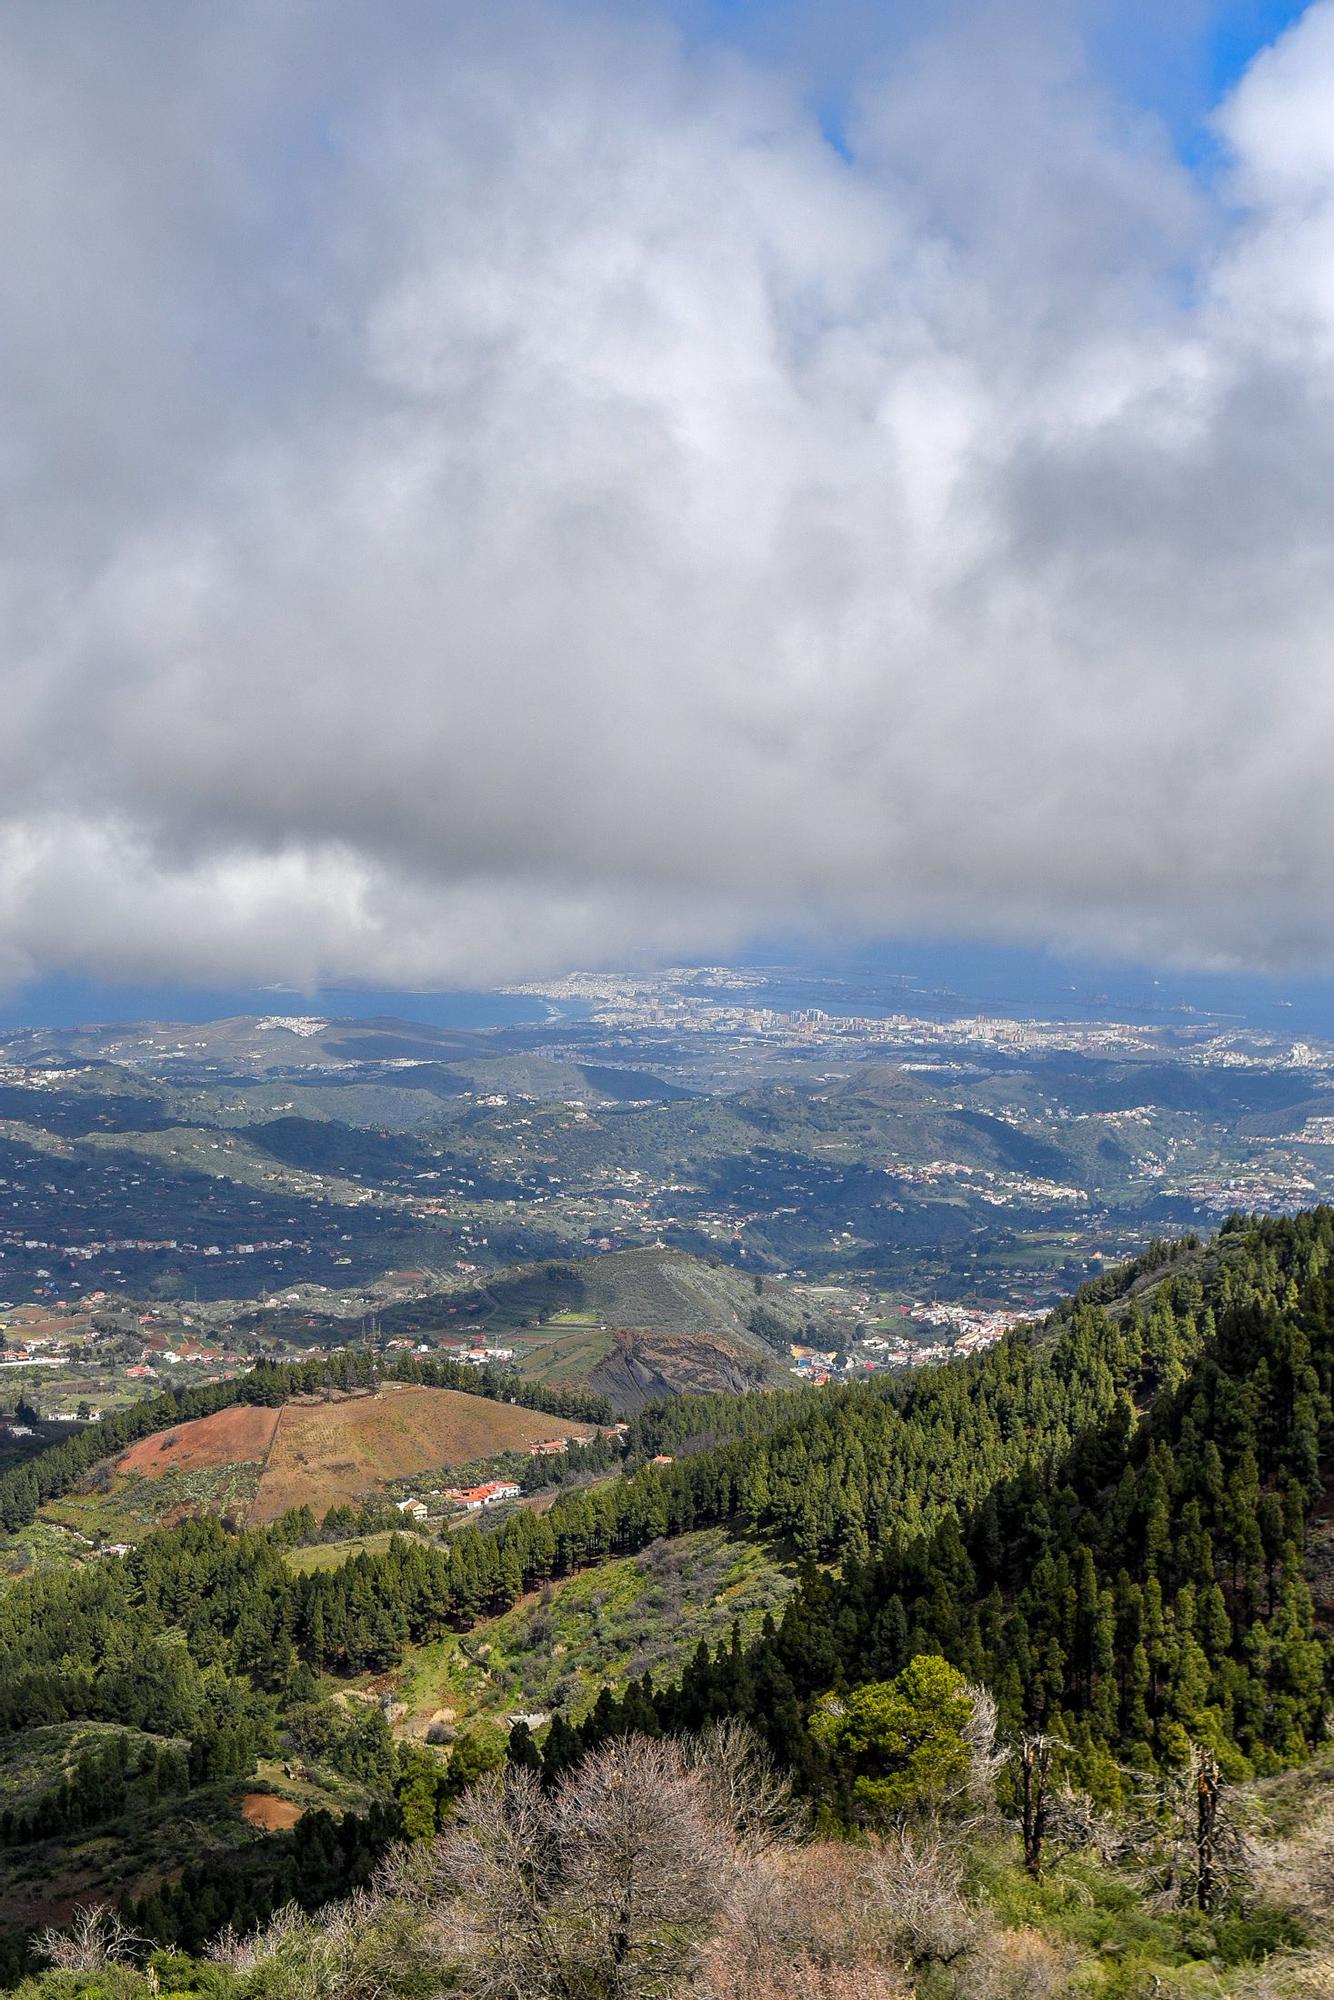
pixel 645 1365
pixel 330 1454
pixel 274 1815
pixel 238 1436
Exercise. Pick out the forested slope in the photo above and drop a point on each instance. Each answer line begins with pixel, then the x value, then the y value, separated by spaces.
pixel 1109 1525
pixel 1112 1532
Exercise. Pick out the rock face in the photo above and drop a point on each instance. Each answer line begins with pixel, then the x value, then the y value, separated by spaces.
pixel 644 1366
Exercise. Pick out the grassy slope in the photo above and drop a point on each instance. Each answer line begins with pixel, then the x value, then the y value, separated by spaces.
pixel 34 1761
pixel 332 1555
pixel 643 1613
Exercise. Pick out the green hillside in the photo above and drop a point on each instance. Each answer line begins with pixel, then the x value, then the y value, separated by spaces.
pixel 1120 1528
pixel 643 1323
pixel 632 1324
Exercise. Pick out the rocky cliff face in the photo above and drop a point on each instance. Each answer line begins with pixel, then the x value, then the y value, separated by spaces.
pixel 644 1366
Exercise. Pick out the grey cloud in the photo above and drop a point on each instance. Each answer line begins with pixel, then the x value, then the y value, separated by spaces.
pixel 494 489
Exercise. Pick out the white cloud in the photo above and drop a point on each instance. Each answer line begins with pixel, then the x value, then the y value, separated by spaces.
pixel 507 492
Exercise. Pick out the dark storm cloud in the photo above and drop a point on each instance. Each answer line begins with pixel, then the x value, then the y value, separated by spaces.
pixel 488 489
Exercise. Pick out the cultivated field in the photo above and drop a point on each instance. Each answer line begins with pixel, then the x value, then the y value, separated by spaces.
pixel 328 1454
pixel 116 1507
pixel 237 1436
pixel 253 1464
pixel 565 1351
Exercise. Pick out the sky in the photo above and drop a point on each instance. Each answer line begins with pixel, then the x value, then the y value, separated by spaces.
pixel 494 489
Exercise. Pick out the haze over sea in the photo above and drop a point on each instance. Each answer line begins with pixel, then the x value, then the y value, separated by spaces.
pixel 938 981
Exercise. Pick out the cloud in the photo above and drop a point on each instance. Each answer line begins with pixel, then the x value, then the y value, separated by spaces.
pixel 490 490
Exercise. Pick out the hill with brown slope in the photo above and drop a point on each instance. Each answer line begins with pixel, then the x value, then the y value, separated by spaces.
pixel 238 1436
pixel 256 1462
pixel 326 1454
pixel 638 1324
pixel 642 1366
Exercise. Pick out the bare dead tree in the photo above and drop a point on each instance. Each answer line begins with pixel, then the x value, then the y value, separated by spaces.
pixel 488 1884
pixel 1074 1821
pixel 745 1786
pixel 1034 1770
pixel 915 1874
pixel 1207 1787
pixel 645 1859
pixel 986 1757
pixel 95 1938
pixel 1179 1838
pixel 605 1888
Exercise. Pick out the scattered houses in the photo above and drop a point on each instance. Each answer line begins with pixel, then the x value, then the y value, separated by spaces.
pixel 489 1495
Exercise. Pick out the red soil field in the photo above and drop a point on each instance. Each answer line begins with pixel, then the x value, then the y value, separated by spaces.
pixel 274 1815
pixel 327 1454
pixel 241 1435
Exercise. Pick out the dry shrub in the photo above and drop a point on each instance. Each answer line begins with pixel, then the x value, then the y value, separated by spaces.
pixel 1297 1874
pixel 839 1922
pixel 95 1939
pixel 1015 1965
pixel 1306 1975
pixel 808 1979
pixel 365 1948
pixel 1313 1976
pixel 242 1951
pixel 800 1925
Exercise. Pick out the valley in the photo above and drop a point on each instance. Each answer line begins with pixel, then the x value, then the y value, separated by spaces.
pixel 594 1400
pixel 597 1195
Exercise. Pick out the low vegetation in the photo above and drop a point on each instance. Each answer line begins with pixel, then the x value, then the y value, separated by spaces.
pixel 558 1648
pixel 688 1867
